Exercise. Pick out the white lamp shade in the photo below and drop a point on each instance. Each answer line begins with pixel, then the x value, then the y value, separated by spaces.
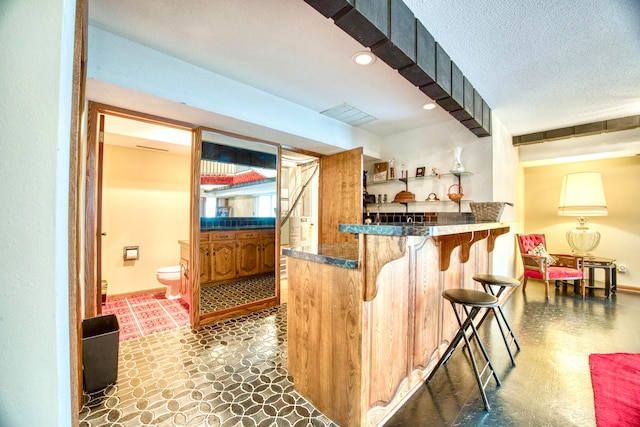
pixel 582 194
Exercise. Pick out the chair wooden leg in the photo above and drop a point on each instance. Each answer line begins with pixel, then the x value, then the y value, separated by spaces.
pixel 524 283
pixel 582 288
pixel 546 289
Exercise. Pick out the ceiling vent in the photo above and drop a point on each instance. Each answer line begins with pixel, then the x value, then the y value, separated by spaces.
pixel 349 115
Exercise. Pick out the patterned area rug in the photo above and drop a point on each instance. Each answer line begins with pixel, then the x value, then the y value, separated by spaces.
pixel 146 314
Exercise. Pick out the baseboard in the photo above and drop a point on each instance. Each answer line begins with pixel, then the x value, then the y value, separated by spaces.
pixel 628 289
pixel 124 295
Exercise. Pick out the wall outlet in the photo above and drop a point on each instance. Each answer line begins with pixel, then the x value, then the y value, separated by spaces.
pixel 622 268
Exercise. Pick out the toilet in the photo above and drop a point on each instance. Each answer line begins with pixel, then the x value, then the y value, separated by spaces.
pixel 170 277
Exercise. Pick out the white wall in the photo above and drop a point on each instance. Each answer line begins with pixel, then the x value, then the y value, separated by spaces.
pixel 493 162
pixel 507 186
pixel 35 105
pixel 430 147
pixel 209 99
pixel 145 203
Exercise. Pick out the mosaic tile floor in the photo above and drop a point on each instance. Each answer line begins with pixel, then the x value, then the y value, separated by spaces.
pixel 220 297
pixel 232 373
pixel 147 314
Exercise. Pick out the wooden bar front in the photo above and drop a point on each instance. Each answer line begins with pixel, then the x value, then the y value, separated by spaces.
pixel 361 341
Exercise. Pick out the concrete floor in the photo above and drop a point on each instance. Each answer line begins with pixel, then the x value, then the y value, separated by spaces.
pixel 551 384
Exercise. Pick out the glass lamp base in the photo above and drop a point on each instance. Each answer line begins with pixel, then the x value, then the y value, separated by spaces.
pixel 583 240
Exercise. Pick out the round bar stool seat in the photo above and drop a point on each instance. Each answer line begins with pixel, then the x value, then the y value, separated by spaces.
pixel 470 297
pixel 493 279
pixel 503 282
pixel 475 301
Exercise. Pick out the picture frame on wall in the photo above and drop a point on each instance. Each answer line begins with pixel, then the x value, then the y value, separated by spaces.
pixel 380 171
pixel 420 171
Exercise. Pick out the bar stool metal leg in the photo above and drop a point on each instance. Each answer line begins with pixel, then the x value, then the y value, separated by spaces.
pixel 475 300
pixel 509 338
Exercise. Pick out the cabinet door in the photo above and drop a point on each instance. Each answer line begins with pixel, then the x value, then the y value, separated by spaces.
pixel 205 262
pixel 248 257
pixel 340 194
pixel 223 260
pixel 268 254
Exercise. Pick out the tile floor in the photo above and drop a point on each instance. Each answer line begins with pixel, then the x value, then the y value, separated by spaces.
pixel 551 384
pixel 221 297
pixel 234 373
pixel 147 314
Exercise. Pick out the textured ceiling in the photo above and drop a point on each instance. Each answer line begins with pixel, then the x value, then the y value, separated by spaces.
pixel 538 64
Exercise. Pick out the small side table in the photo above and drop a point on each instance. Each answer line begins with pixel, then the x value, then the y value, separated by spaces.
pixel 610 276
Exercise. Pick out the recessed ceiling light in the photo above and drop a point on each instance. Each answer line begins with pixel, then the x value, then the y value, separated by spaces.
pixel 364 58
pixel 429 106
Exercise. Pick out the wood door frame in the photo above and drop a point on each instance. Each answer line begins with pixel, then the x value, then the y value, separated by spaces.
pixel 80 49
pixel 209 318
pixel 91 240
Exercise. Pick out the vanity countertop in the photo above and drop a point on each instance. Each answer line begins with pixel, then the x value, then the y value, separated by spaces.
pixel 235 228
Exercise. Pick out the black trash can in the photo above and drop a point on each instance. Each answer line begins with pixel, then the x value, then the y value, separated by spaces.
pixel 100 341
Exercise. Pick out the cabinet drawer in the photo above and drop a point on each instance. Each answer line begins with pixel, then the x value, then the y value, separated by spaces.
pixel 204 237
pixel 248 234
pixel 268 233
pixel 222 235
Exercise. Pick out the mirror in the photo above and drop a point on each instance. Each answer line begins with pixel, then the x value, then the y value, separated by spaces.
pixel 238 211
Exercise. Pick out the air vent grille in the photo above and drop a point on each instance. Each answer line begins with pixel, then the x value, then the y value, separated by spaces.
pixel 349 115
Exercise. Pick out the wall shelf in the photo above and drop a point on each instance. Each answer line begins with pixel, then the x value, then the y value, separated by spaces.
pixel 406 182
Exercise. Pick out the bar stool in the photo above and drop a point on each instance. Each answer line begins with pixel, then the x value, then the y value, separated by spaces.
pixel 476 300
pixel 503 282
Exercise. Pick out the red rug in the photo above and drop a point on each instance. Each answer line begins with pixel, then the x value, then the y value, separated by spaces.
pixel 616 388
pixel 145 314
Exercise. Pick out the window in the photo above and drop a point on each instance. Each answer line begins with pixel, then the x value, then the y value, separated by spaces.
pixel 266 205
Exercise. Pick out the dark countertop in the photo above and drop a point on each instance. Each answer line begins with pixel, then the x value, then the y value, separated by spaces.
pixel 343 255
pixel 420 228
pixel 346 254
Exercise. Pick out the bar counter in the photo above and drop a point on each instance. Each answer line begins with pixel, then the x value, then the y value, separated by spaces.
pixel 366 320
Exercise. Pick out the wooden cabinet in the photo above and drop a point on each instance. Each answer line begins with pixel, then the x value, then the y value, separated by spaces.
pixel 220 256
pixel 248 253
pixel 267 251
pixel 225 255
pixel 205 264
pixel 222 260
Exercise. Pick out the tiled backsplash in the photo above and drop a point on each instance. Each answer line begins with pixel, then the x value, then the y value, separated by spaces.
pixel 429 217
pixel 236 222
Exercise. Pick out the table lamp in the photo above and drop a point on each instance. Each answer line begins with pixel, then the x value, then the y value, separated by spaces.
pixel 582 195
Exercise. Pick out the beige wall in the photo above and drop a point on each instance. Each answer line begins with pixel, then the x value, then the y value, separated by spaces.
pixel 146 204
pixel 620 230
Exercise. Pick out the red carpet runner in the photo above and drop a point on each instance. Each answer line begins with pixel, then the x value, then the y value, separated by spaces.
pixel 616 388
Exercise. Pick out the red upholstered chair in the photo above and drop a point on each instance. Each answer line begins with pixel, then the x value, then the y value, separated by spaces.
pixel 539 264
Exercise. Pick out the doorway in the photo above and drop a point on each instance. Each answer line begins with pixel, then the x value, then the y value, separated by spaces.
pixel 144 214
pixel 141 166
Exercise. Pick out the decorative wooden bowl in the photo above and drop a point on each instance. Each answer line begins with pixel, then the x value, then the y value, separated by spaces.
pixel 404 197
